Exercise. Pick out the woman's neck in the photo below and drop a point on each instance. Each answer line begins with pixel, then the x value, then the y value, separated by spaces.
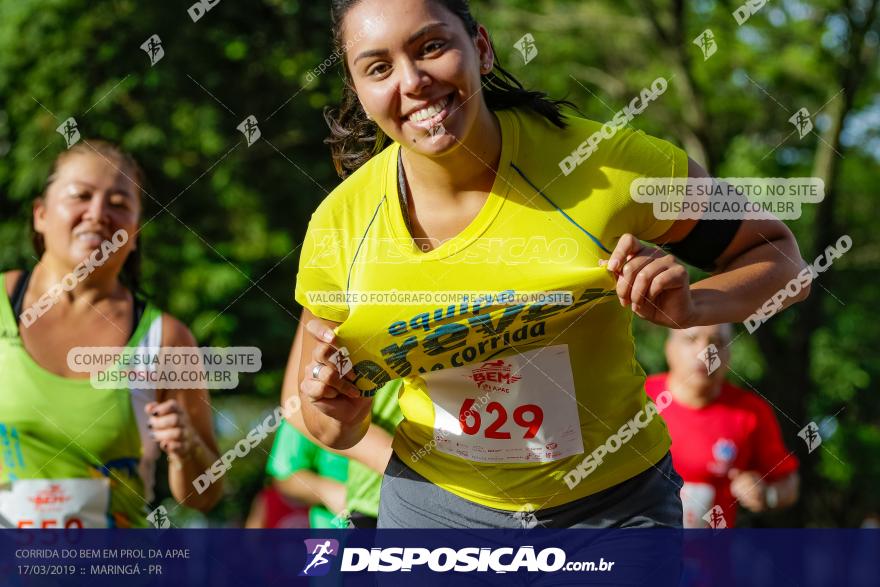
pixel 99 285
pixel 469 167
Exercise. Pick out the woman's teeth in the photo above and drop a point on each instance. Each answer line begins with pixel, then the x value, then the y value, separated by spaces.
pixel 431 111
pixel 89 236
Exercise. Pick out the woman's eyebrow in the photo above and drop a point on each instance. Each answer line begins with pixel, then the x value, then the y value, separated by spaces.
pixel 420 33
pixel 111 190
pixel 73 187
pixel 121 191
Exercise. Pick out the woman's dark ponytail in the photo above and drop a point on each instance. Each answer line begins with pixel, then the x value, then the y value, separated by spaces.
pixel 354 139
pixel 503 90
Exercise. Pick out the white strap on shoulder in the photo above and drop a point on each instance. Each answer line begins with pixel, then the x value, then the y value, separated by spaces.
pixel 150 451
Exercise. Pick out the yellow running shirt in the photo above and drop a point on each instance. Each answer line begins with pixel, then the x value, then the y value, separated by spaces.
pixel 502 396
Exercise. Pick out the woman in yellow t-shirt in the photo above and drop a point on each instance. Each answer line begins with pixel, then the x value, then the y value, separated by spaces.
pixel 476 250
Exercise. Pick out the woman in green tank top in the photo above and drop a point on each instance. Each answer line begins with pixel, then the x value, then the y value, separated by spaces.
pixel 73 454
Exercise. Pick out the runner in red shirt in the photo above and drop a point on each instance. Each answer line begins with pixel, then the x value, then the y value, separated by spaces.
pixel 726 442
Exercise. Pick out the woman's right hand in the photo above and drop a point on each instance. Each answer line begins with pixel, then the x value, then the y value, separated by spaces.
pixel 321 384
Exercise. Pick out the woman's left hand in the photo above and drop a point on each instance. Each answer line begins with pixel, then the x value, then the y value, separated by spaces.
pixel 171 427
pixel 653 283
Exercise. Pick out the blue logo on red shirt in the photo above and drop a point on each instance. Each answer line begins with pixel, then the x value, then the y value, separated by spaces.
pixel 724 450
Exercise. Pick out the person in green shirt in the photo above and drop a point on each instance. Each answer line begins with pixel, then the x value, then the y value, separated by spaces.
pixel 304 471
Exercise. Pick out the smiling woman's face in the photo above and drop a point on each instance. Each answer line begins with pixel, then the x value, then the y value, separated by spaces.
pixel 415 68
pixel 89 199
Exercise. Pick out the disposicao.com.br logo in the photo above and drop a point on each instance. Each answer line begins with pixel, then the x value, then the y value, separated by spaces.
pixel 442 560
pixel 445 559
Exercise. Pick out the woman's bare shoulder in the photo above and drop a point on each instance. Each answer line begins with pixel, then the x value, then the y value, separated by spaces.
pixel 10 278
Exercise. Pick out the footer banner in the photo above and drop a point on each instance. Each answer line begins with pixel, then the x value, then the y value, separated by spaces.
pixel 433 557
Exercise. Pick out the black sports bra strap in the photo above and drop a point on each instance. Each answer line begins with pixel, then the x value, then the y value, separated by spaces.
pixel 18 294
pixel 17 299
pixel 140 306
pixel 401 190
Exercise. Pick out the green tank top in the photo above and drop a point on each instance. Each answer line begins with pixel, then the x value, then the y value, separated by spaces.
pixel 71 455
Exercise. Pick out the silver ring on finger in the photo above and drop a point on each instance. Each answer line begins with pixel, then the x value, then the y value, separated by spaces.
pixel 316 370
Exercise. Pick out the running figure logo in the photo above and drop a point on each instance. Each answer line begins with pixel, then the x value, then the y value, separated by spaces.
pixel 810 434
pixel 328 249
pixel 342 360
pixel 153 48
pixel 316 556
pixel 527 518
pixel 801 121
pixel 342 520
pixel 715 518
pixel 159 518
pixel 710 358
pixel 250 130
pixel 436 132
pixel 526 45
pixel 706 43
pixel 69 131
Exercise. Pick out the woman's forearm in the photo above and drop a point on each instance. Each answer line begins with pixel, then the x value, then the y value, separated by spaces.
pixel 373 451
pixel 183 472
pixel 332 432
pixel 337 419
pixel 747 282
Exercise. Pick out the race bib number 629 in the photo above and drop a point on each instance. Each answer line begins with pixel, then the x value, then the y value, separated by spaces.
pixel 517 409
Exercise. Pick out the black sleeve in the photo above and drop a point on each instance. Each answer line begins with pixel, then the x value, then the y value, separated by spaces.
pixel 705 243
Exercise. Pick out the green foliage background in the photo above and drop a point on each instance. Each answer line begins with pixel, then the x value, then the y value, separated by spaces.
pixel 223 221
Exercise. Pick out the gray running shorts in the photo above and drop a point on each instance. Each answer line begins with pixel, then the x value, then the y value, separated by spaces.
pixel 648 500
